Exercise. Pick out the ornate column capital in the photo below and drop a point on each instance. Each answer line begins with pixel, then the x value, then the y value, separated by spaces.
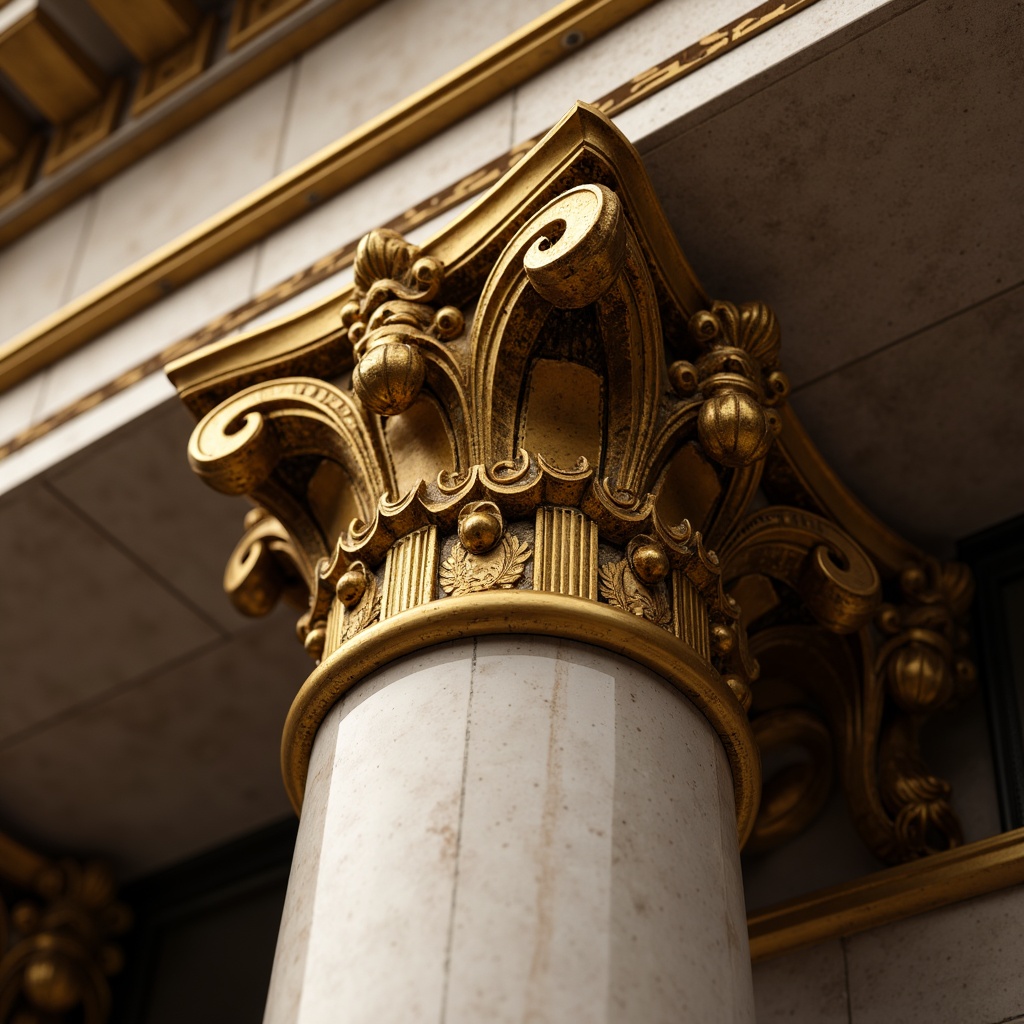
pixel 540 423
pixel 57 937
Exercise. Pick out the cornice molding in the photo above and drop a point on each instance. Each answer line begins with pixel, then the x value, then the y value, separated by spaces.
pixel 583 147
pixel 371 146
pixel 290 195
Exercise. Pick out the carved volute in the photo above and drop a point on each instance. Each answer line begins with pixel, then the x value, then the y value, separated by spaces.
pixel 548 427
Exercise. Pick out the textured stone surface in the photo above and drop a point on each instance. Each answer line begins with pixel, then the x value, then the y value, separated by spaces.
pixel 805 987
pixel 163 766
pixel 192 177
pixel 957 965
pixel 517 829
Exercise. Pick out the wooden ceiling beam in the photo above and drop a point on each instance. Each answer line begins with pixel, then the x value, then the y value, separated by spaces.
pixel 45 65
pixel 149 28
pixel 15 129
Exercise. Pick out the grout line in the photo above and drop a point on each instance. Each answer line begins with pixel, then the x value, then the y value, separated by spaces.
pixel 88 222
pixel 843 367
pixel 117 690
pixel 458 842
pixel 290 100
pixel 846 980
pixel 286 117
pixel 92 201
pixel 51 487
pixel 40 400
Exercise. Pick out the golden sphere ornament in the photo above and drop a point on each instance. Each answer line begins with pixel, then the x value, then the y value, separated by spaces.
pixel 920 678
pixel 52 983
pixel 650 562
pixel 480 527
pixel 388 377
pixel 351 587
pixel 314 642
pixel 734 429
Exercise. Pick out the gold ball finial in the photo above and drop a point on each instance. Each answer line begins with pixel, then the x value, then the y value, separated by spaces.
pixel 352 585
pixel 52 983
pixel 649 561
pixel 480 526
pixel 388 377
pixel 734 429
pixel 740 690
pixel 314 642
pixel 920 678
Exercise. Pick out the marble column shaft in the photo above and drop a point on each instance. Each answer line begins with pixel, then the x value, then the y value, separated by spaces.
pixel 515 829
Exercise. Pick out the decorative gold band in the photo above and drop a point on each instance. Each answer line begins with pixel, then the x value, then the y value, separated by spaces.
pixel 524 612
pixel 883 897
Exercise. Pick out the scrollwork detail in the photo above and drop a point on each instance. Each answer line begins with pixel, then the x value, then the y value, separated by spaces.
pixel 689 419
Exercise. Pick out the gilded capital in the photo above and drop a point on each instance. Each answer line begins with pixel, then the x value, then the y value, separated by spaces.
pixel 540 422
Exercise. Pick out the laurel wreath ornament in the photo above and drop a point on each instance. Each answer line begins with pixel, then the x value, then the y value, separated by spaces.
pixel 621 589
pixel 463 572
pixel 364 613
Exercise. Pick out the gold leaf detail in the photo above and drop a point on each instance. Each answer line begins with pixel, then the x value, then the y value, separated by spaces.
pixel 621 589
pixel 364 613
pixel 499 569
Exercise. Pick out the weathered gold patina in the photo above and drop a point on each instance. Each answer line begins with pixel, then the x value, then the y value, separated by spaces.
pixel 539 422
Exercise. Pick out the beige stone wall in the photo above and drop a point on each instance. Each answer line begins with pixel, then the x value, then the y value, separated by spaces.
pixel 380 59
pixel 957 965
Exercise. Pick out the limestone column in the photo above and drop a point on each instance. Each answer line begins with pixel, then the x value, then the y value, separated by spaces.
pixel 515 828
pixel 548 517
pixel 523 762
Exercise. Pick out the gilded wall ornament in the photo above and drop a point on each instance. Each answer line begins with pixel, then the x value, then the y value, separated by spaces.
pixel 361 603
pixel 57 943
pixel 596 407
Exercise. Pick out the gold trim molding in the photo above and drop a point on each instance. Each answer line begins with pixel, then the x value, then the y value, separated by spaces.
pixel 544 398
pixel 523 612
pixel 358 154
pixel 366 149
pixel 888 896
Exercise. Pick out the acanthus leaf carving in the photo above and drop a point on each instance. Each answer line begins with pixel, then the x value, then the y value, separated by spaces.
pixel 364 612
